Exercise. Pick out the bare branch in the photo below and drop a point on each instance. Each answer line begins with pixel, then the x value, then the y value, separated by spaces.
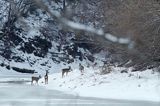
pixel 78 26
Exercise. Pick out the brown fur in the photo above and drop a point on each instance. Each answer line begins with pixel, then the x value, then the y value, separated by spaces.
pixel 81 68
pixel 66 70
pixel 35 79
pixel 46 77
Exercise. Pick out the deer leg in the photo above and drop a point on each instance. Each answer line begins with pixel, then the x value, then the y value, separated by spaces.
pixel 62 74
pixel 82 72
pixel 46 82
pixel 36 82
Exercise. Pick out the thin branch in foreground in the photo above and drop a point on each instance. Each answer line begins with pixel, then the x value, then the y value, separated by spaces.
pixel 78 26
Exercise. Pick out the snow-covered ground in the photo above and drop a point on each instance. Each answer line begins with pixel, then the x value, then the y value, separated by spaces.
pixel 143 86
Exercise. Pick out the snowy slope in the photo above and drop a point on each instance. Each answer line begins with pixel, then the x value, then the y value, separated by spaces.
pixel 129 86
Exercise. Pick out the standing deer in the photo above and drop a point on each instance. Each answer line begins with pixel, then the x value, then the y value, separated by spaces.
pixel 35 79
pixel 66 70
pixel 94 65
pixel 46 77
pixel 81 68
pixel 106 68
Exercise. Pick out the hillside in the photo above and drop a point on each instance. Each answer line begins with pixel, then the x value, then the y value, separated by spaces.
pixel 116 42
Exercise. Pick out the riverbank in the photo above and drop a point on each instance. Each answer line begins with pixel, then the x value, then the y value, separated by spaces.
pixel 139 86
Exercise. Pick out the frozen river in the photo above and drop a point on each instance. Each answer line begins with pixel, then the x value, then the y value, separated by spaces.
pixel 15 92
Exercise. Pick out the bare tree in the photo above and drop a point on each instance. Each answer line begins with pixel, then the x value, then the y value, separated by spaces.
pixel 15 9
pixel 140 20
pixel 77 26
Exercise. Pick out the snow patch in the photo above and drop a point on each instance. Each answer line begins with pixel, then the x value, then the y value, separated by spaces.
pixel 129 86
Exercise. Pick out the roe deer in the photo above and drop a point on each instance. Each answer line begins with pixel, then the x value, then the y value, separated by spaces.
pixel 35 79
pixel 106 68
pixel 46 77
pixel 81 68
pixel 94 65
pixel 66 70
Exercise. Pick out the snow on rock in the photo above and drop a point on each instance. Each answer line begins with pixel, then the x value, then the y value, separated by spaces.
pixel 131 86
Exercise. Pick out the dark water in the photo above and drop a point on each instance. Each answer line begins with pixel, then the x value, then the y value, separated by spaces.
pixel 15 92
